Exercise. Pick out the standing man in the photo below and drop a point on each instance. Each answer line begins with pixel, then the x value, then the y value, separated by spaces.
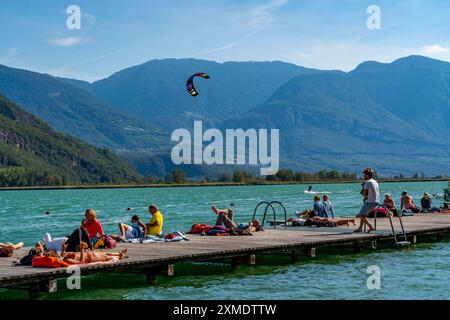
pixel 371 193
pixel 328 206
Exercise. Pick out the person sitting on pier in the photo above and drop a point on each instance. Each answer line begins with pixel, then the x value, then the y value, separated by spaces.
pixel 371 196
pixel 389 203
pixel 425 202
pixel 317 211
pixel 329 210
pixel 407 203
pixel 154 227
pixel 136 230
pixel 7 249
pixel 92 225
pixel 225 217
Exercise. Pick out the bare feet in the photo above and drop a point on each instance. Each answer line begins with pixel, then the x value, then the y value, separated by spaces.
pixel 359 230
pixel 14 246
pixel 370 230
pixel 122 253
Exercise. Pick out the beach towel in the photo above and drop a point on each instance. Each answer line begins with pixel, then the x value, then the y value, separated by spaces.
pixel 174 236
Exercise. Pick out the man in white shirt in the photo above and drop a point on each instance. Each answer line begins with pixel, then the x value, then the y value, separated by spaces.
pixel 371 193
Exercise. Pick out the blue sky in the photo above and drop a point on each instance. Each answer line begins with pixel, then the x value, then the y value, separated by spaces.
pixel 325 34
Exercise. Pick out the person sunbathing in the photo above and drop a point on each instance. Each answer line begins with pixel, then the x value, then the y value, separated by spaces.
pixel 243 229
pixel 87 256
pixel 7 249
pixel 250 227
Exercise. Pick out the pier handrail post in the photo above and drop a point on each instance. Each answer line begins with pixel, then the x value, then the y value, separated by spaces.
pixel 274 215
pixel 265 212
pixel 256 208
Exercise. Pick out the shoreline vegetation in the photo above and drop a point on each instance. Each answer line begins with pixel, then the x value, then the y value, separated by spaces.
pixel 178 178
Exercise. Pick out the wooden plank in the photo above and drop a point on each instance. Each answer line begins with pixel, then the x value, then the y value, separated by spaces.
pixel 154 256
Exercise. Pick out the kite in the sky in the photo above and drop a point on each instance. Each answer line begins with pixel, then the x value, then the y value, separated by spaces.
pixel 190 83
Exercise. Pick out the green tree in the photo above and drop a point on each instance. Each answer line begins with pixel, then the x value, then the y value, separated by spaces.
pixel 333 175
pixel 285 175
pixel 179 176
pixel 226 177
pixel 322 174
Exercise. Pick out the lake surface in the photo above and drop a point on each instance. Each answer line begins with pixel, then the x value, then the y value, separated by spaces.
pixel 422 272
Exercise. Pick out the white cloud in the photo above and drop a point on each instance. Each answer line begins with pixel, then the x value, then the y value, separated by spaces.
pixel 304 55
pixel 67 70
pixel 435 49
pixel 263 15
pixel 68 41
pixel 219 49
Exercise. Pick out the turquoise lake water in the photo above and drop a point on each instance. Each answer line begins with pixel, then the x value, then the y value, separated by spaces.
pixel 422 272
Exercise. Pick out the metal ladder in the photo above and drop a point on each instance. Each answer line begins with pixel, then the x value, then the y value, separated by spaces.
pixel 398 244
pixel 270 205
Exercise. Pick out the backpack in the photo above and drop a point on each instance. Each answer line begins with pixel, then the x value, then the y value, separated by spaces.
pixel 73 241
pixel 105 242
pixel 28 259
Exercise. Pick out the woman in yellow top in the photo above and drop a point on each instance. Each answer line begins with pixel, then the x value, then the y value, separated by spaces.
pixel 154 227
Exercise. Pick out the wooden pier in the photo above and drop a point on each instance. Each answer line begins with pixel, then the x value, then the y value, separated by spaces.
pixel 160 258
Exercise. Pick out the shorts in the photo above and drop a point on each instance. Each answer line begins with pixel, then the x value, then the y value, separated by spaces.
pixel 366 208
pixel 243 226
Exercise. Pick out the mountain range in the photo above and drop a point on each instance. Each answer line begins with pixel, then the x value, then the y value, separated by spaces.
pixel 393 116
pixel 75 111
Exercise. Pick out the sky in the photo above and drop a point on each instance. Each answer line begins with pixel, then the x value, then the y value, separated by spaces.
pixel 116 34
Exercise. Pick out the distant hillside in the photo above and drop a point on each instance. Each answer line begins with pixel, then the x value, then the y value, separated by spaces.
pixel 156 90
pixel 77 112
pixel 416 89
pixel 32 153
